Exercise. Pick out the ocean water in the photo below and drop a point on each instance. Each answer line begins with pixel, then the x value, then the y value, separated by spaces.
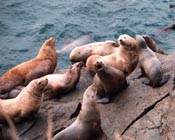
pixel 25 24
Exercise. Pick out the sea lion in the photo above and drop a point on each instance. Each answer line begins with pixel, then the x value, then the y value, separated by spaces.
pixel 68 47
pixel 109 80
pixel 152 44
pixel 87 125
pixel 62 83
pixel 169 27
pixel 149 63
pixel 81 53
pixel 27 103
pixel 124 59
pixel 20 75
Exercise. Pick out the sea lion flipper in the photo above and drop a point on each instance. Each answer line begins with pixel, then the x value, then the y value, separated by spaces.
pixel 147 82
pixel 165 79
pixel 4 95
pixel 77 111
pixel 104 100
pixel 126 84
pixel 138 75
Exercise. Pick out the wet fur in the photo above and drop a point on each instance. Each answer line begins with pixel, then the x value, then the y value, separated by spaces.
pixel 149 63
pixel 27 103
pixel 81 53
pixel 20 75
pixel 87 126
pixel 61 83
pixel 124 59
pixel 108 80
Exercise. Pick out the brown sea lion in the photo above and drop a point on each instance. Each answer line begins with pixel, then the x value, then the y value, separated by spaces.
pixel 27 103
pixel 81 53
pixel 20 75
pixel 109 80
pixel 62 83
pixel 87 125
pixel 124 59
pixel 150 64
pixel 152 44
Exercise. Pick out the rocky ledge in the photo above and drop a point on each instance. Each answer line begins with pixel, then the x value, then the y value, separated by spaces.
pixel 138 112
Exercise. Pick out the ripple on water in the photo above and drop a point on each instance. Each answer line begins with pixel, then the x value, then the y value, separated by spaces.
pixel 25 25
pixel 44 28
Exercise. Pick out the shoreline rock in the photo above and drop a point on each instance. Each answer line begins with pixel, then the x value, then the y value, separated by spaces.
pixel 137 112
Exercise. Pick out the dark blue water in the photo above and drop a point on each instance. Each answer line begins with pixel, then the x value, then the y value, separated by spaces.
pixel 26 24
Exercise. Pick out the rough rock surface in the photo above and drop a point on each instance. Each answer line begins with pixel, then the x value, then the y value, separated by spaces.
pixel 138 112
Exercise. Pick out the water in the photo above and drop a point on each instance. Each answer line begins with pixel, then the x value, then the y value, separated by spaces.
pixel 25 24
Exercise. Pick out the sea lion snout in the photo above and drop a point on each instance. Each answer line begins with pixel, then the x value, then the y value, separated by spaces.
pixel 98 66
pixel 44 82
pixel 41 83
pixel 81 64
pixel 122 39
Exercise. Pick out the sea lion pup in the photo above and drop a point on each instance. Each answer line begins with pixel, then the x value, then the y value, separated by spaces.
pixel 27 103
pixel 152 44
pixel 87 125
pixel 124 59
pixel 20 75
pixel 81 53
pixel 109 80
pixel 149 63
pixel 62 83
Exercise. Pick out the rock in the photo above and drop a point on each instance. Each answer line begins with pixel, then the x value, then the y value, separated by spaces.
pixel 138 112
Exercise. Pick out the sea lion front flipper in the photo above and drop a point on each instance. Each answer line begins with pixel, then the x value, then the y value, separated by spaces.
pixel 4 96
pixel 139 74
pixel 77 111
pixel 103 100
pixel 147 82
pixel 165 79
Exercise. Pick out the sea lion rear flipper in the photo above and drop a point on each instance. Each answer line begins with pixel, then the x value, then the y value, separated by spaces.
pixel 103 100
pixel 165 79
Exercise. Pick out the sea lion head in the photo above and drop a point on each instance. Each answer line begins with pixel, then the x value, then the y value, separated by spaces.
pixel 47 49
pixel 127 42
pixel 99 66
pixel 76 67
pixel 140 42
pixel 50 42
pixel 90 96
pixel 38 85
